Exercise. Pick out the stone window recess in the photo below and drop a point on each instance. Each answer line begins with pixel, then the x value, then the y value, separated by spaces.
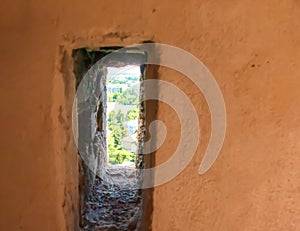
pixel 91 117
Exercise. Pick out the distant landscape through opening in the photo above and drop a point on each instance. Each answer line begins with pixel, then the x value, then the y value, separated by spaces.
pixel 123 93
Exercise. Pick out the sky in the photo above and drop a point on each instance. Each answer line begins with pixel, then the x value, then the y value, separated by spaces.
pixel 123 71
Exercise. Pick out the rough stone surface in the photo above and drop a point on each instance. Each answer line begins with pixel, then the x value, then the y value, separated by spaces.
pixel 110 208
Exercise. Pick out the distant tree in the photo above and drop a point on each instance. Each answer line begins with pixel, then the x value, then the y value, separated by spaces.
pixel 129 97
pixel 117 155
pixel 116 126
pixel 116 96
pixel 118 133
pixel 132 114
pixel 121 155
pixel 120 117
pixel 113 96
pixel 116 118
pixel 112 118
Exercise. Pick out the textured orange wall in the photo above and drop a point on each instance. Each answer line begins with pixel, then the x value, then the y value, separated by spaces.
pixel 254 185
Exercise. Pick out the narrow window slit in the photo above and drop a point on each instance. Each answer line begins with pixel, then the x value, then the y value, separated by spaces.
pixel 114 153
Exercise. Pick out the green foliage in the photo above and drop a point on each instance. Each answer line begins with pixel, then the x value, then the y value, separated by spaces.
pixel 115 125
pixel 118 133
pixel 112 118
pixel 120 117
pixel 132 114
pixel 118 156
pixel 113 96
pixel 129 97
pixel 116 118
